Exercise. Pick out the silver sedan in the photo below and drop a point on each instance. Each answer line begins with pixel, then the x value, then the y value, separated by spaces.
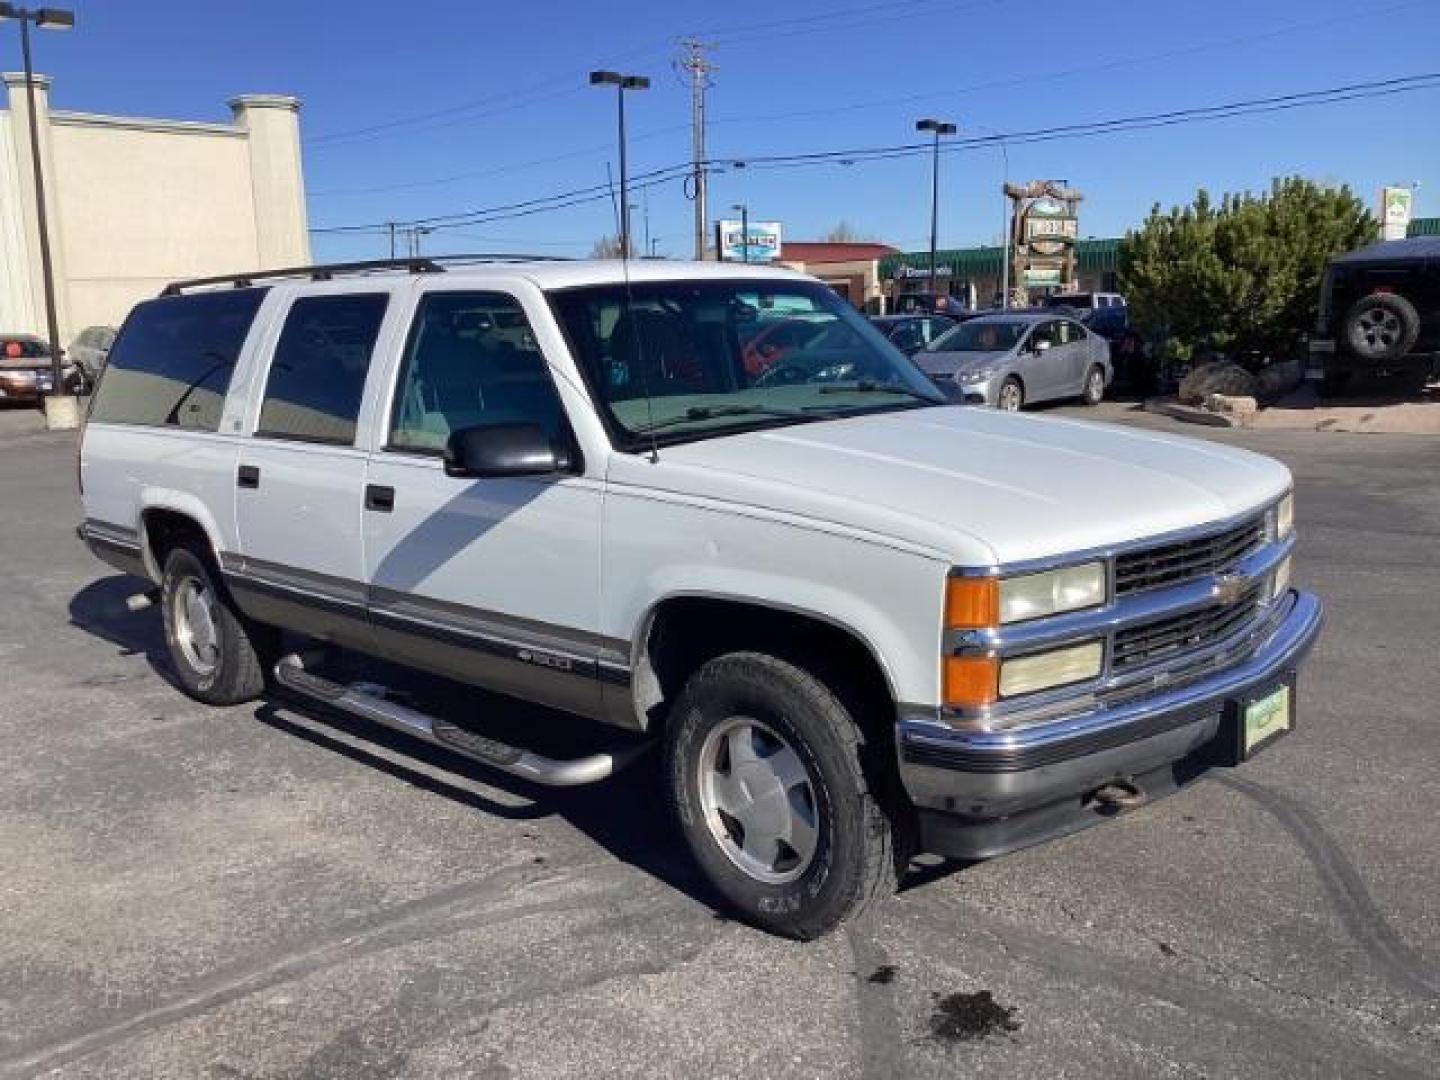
pixel 1011 359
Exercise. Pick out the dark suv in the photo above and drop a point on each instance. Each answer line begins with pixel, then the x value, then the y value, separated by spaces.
pixel 1379 312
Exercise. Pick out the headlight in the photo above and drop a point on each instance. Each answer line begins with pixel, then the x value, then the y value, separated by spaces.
pixel 1285 515
pixel 1042 671
pixel 1033 596
pixel 980 603
pixel 974 375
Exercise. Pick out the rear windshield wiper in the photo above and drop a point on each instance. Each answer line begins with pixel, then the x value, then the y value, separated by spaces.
pixel 867 386
pixel 701 412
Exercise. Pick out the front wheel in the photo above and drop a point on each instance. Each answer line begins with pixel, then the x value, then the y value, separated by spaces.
pixel 1094 390
pixel 763 764
pixel 1012 395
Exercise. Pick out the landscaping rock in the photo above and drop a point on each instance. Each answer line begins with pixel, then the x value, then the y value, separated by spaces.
pixel 1235 406
pixel 1221 377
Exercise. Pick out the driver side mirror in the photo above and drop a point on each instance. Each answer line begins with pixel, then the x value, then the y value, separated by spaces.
pixel 1043 345
pixel 499 450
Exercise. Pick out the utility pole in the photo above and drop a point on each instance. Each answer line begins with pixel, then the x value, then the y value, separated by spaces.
pixel 58 413
pixel 391 226
pixel 693 61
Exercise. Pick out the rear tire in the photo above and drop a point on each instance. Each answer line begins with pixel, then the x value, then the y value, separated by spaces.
pixel 763 766
pixel 1381 327
pixel 218 658
pixel 1094 391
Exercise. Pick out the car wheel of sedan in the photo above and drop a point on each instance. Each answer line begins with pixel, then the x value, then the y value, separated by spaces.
pixel 1012 395
pixel 1094 391
pixel 217 658
pixel 763 766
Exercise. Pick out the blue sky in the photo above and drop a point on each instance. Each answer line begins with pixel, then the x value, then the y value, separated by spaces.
pixel 481 104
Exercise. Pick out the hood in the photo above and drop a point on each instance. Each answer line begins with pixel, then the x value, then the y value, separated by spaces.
pixel 976 486
pixel 944 363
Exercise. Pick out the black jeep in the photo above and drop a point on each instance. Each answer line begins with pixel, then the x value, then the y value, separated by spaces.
pixel 1379 312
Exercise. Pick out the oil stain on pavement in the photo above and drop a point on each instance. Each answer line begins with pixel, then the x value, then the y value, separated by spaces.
pixel 970 1017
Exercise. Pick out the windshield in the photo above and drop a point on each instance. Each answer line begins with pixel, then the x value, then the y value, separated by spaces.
pixel 1075 300
pixel 699 358
pixel 980 336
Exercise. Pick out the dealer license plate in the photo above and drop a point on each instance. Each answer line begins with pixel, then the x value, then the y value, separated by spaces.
pixel 1266 719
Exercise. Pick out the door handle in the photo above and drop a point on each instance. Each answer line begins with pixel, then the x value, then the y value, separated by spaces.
pixel 379 498
pixel 247 476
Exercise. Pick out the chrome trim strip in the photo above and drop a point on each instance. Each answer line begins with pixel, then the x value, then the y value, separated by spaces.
pixel 105 532
pixel 1300 619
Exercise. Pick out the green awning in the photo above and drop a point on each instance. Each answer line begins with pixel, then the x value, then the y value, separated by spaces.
pixel 1425 226
pixel 965 263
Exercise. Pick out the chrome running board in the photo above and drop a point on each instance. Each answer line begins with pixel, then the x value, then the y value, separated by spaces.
pixel 361 700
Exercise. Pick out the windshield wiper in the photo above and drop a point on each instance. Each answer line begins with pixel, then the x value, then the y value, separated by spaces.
pixel 869 386
pixel 701 412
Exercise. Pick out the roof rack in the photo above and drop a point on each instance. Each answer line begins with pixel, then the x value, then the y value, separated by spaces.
pixel 415 264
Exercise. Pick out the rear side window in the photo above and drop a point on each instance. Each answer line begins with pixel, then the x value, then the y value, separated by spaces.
pixel 318 373
pixel 171 363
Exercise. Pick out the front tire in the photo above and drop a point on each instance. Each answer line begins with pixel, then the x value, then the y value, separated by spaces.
pixel 763 765
pixel 1011 397
pixel 217 658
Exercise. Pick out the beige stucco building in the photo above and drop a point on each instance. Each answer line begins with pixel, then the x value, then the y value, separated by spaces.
pixel 134 203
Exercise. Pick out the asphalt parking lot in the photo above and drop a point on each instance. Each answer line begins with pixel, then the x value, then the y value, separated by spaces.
pixel 267 891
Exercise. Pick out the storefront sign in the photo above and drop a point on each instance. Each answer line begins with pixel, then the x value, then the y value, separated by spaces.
pixel 761 245
pixel 1396 204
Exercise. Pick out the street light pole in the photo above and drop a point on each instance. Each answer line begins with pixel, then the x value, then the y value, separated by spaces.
pixel 937 128
pixel 46 19
pixel 621 84
pixel 744 230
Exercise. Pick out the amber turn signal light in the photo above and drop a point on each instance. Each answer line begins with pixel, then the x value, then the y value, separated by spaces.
pixel 972 603
pixel 971 681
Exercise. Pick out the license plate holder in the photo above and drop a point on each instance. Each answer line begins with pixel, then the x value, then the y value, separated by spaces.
pixel 1255 722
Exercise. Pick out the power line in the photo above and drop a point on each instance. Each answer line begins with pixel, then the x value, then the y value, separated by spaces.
pixel 1115 125
pixel 693 61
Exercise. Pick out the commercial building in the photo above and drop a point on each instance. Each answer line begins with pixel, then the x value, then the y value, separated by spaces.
pixel 851 269
pixel 133 203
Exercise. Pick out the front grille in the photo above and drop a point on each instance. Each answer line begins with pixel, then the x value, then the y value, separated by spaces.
pixel 1171 564
pixel 1167 638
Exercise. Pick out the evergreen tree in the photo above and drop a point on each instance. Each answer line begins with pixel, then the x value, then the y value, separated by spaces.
pixel 1242 277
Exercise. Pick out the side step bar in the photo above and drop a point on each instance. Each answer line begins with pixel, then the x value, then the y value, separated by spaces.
pixel 290 672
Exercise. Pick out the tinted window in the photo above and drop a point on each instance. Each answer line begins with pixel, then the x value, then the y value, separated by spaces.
pixel 471 361
pixel 979 335
pixel 318 373
pixel 171 363
pixel 1049 331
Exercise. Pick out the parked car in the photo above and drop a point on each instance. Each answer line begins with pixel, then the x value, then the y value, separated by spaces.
pixel 88 352
pixel 766 342
pixel 856 622
pixel 1105 313
pixel 26 373
pixel 1379 312
pixel 911 333
pixel 1018 358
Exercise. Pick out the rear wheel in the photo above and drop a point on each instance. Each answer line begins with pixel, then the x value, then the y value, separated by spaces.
pixel 1094 391
pixel 1012 395
pixel 763 764
pixel 217 657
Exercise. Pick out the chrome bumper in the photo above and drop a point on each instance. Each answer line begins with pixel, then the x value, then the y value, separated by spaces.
pixel 988 780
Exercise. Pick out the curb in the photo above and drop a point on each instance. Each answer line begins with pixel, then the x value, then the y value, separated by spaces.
pixel 1189 413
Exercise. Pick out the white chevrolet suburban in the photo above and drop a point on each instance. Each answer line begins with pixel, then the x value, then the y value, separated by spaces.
pixel 859 622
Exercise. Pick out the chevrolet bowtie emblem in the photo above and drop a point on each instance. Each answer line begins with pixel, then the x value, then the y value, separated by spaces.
pixel 1229 588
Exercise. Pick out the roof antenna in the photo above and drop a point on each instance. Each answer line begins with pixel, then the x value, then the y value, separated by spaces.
pixel 630 314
